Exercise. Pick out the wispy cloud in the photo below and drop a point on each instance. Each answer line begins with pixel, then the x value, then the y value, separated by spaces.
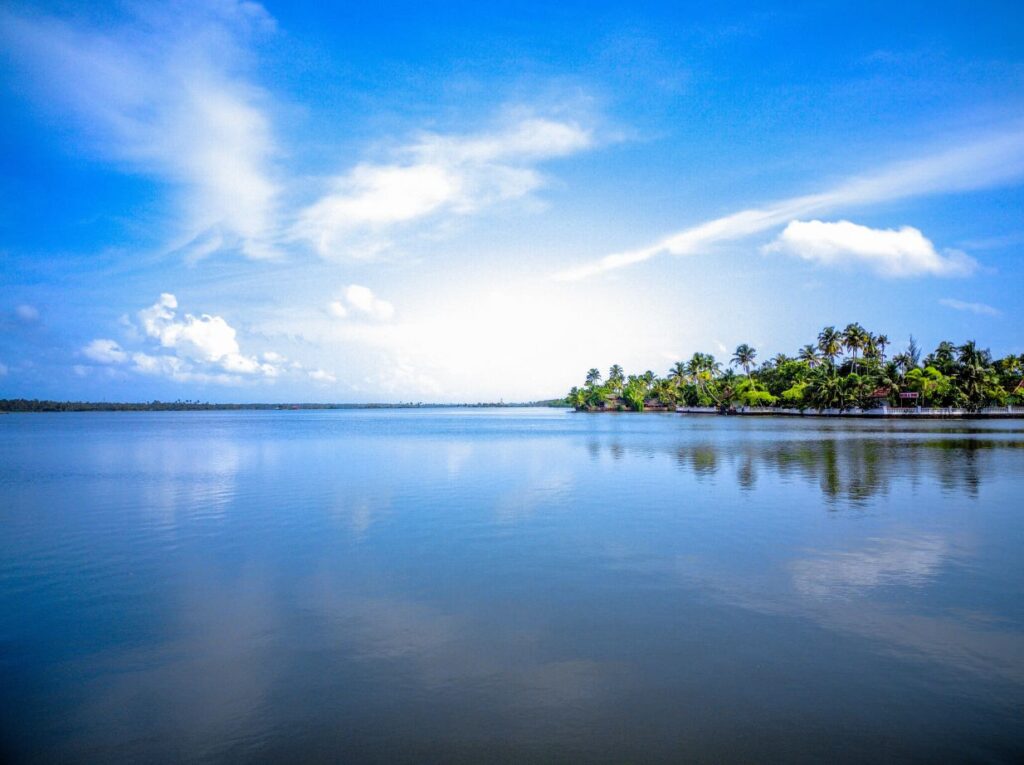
pixel 27 313
pixel 888 252
pixel 166 95
pixel 360 301
pixel 453 174
pixel 981 309
pixel 104 351
pixel 986 162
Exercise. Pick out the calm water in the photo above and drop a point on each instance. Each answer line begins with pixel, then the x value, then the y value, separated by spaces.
pixel 518 585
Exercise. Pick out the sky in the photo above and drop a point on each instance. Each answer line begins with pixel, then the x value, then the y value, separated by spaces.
pixel 462 202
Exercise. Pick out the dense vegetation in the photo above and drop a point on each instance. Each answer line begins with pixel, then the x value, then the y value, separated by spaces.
pixel 845 369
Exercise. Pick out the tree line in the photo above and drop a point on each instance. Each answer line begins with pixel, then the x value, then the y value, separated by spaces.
pixel 37 405
pixel 844 369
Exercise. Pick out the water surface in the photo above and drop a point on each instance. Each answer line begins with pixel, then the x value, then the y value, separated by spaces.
pixel 458 585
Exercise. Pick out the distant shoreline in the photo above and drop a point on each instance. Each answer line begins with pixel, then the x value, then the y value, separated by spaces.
pixel 14 406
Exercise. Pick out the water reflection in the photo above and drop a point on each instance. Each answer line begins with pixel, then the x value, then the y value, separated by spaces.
pixel 391 587
pixel 907 561
pixel 852 469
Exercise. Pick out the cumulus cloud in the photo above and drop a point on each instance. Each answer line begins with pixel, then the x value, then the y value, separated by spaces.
pixel 188 348
pixel 889 252
pixel 434 174
pixel 981 309
pixel 27 313
pixel 204 339
pixel 105 351
pixel 982 163
pixel 358 300
pixel 166 95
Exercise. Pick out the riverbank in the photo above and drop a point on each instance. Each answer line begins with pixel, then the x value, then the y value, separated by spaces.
pixel 932 413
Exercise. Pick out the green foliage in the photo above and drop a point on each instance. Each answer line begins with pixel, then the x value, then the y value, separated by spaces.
pixel 959 376
pixel 795 395
pixel 635 393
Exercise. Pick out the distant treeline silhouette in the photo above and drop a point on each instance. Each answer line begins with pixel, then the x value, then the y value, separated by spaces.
pixel 37 405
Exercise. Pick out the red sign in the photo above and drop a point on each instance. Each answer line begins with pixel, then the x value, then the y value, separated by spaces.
pixel 908 395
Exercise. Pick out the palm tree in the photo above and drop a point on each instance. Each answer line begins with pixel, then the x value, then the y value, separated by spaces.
pixel 829 343
pixel 809 354
pixel 615 378
pixel 677 374
pixel 943 357
pixel 881 341
pixel 593 376
pixel 744 356
pixel 666 392
pixel 727 386
pixel 973 373
pixel 913 352
pixel 702 369
pixel 577 398
pixel 890 378
pixel 779 359
pixel 635 392
pixel 855 338
pixel 824 389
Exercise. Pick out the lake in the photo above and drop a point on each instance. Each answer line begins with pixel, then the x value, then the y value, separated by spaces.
pixel 518 585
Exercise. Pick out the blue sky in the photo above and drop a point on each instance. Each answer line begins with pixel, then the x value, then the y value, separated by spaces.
pixel 460 202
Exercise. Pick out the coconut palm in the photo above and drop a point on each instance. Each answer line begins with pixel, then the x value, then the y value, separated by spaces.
pixel 809 354
pixel 830 344
pixel 854 338
pixel 577 398
pixel 943 357
pixel 824 389
pixel 890 379
pixel 974 371
pixel 744 357
pixel 677 374
pixel 615 378
pixel 593 376
pixel 881 342
pixel 702 369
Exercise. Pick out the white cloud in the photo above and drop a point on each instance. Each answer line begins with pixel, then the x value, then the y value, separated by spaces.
pixel 178 370
pixel 993 160
pixel 202 348
pixel 434 174
pixel 27 313
pixel 321 375
pixel 165 95
pixel 105 352
pixel 203 339
pixel 889 252
pixel 981 309
pixel 359 300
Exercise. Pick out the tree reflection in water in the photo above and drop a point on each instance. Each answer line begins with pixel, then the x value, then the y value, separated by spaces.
pixel 853 469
